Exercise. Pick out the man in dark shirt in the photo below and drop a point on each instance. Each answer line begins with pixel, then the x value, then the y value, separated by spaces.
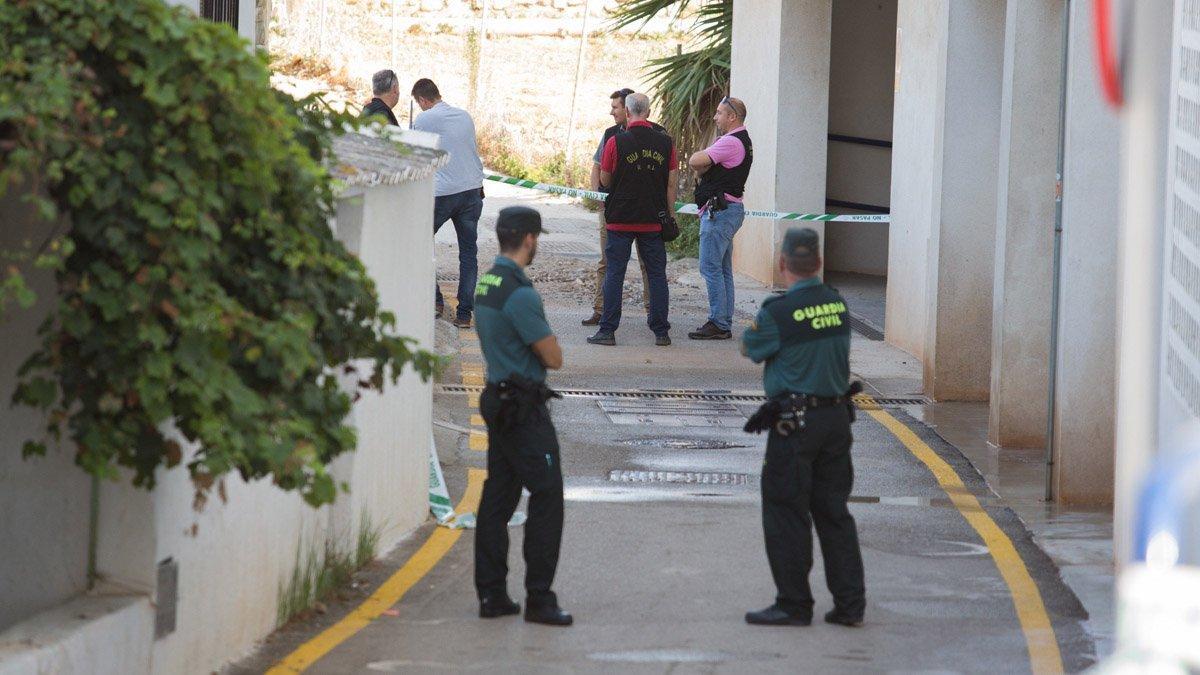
pixel 523 451
pixel 621 116
pixel 802 339
pixel 639 169
pixel 386 87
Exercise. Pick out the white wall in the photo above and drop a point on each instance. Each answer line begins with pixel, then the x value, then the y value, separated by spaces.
pixel 1087 321
pixel 46 563
pixel 947 127
pixel 781 70
pixel 916 158
pixel 1025 206
pixel 232 557
pixel 861 81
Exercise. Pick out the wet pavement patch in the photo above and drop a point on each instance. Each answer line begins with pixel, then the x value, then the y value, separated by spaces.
pixel 664 656
pixel 682 477
pixel 682 443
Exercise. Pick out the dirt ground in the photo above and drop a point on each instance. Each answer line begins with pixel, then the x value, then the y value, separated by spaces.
pixel 525 83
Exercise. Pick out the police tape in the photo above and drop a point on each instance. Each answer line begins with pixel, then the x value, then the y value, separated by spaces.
pixel 691 209
pixel 439 498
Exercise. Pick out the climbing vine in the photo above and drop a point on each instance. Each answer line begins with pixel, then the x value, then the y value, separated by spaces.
pixel 199 286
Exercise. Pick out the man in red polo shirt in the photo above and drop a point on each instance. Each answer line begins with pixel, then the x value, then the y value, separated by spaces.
pixel 639 169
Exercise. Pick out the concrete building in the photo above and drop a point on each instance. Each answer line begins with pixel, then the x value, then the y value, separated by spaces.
pixel 947 114
pixel 182 591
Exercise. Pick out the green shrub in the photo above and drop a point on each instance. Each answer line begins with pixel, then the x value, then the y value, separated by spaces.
pixel 199 284
pixel 687 245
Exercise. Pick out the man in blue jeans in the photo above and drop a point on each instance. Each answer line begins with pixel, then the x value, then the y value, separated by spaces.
pixel 457 189
pixel 722 168
pixel 638 170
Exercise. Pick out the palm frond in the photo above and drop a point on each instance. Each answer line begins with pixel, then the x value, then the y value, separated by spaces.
pixel 687 85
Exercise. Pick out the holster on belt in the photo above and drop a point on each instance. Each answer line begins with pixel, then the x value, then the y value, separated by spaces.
pixel 765 417
pixel 519 399
pixel 785 412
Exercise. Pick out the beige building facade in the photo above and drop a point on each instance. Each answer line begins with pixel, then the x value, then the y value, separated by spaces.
pixel 948 115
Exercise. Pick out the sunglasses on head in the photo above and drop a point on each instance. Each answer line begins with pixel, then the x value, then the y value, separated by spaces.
pixel 732 106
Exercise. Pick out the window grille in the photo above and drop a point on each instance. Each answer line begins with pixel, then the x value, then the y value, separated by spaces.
pixel 221 11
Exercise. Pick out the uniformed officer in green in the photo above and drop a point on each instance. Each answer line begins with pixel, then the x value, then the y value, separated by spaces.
pixel 803 340
pixel 518 347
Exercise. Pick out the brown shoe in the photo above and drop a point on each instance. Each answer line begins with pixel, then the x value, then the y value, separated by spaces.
pixel 593 321
pixel 462 322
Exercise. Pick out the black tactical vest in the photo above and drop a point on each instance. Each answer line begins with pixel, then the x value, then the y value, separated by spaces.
pixel 639 181
pixel 808 314
pixel 719 180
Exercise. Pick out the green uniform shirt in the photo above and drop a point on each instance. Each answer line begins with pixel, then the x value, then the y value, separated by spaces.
pixel 509 317
pixel 803 337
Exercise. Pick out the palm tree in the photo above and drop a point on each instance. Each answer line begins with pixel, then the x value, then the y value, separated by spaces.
pixel 690 83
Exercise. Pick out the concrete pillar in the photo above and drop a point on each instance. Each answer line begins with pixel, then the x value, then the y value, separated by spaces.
pixel 1146 120
pixel 781 70
pixel 1028 167
pixel 946 133
pixel 1086 380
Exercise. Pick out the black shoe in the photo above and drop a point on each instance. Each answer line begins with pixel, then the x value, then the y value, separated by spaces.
pixel 775 616
pixel 842 619
pixel 663 340
pixel 594 320
pixel 602 338
pixel 709 331
pixel 501 605
pixel 462 322
pixel 551 615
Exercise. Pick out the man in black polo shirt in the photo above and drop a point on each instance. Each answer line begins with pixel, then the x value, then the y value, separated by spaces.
pixel 386 86
pixel 639 169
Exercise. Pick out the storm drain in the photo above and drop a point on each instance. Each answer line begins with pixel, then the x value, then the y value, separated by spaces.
pixel 678 477
pixel 571 248
pixel 683 443
pixel 858 325
pixel 672 413
pixel 717 395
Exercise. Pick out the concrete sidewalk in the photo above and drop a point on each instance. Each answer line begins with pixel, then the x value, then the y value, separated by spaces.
pixel 659 573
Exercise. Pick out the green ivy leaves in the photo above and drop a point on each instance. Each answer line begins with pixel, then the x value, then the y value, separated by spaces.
pixel 200 289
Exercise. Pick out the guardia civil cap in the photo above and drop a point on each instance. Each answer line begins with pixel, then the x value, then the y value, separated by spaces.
pixel 801 237
pixel 519 220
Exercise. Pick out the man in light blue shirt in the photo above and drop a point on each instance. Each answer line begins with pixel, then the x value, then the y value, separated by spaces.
pixel 457 190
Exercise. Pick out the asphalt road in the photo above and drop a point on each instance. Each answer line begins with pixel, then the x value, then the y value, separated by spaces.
pixel 658 575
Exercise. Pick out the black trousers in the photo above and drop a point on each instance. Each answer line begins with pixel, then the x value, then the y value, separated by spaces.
pixel 806 481
pixel 525 455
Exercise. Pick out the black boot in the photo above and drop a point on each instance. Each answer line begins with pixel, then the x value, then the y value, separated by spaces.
pixel 836 616
pixel 500 605
pixel 547 611
pixel 776 616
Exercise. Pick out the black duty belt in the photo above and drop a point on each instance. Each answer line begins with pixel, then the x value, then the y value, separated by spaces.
pixel 519 398
pixel 785 413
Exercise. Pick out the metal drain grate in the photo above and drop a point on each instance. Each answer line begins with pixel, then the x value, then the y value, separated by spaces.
pixel 681 477
pixel 666 412
pixel 683 443
pixel 572 248
pixel 858 325
pixel 685 394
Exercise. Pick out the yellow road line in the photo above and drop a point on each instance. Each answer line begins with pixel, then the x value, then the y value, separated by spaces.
pixel 473 401
pixel 1044 656
pixel 477 420
pixel 472 379
pixel 439 543
pixel 477 441
pixel 468 335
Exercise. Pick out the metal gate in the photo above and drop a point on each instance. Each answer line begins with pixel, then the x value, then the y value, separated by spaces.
pixel 220 11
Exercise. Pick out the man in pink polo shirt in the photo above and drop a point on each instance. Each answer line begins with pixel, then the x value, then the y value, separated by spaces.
pixel 722 169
